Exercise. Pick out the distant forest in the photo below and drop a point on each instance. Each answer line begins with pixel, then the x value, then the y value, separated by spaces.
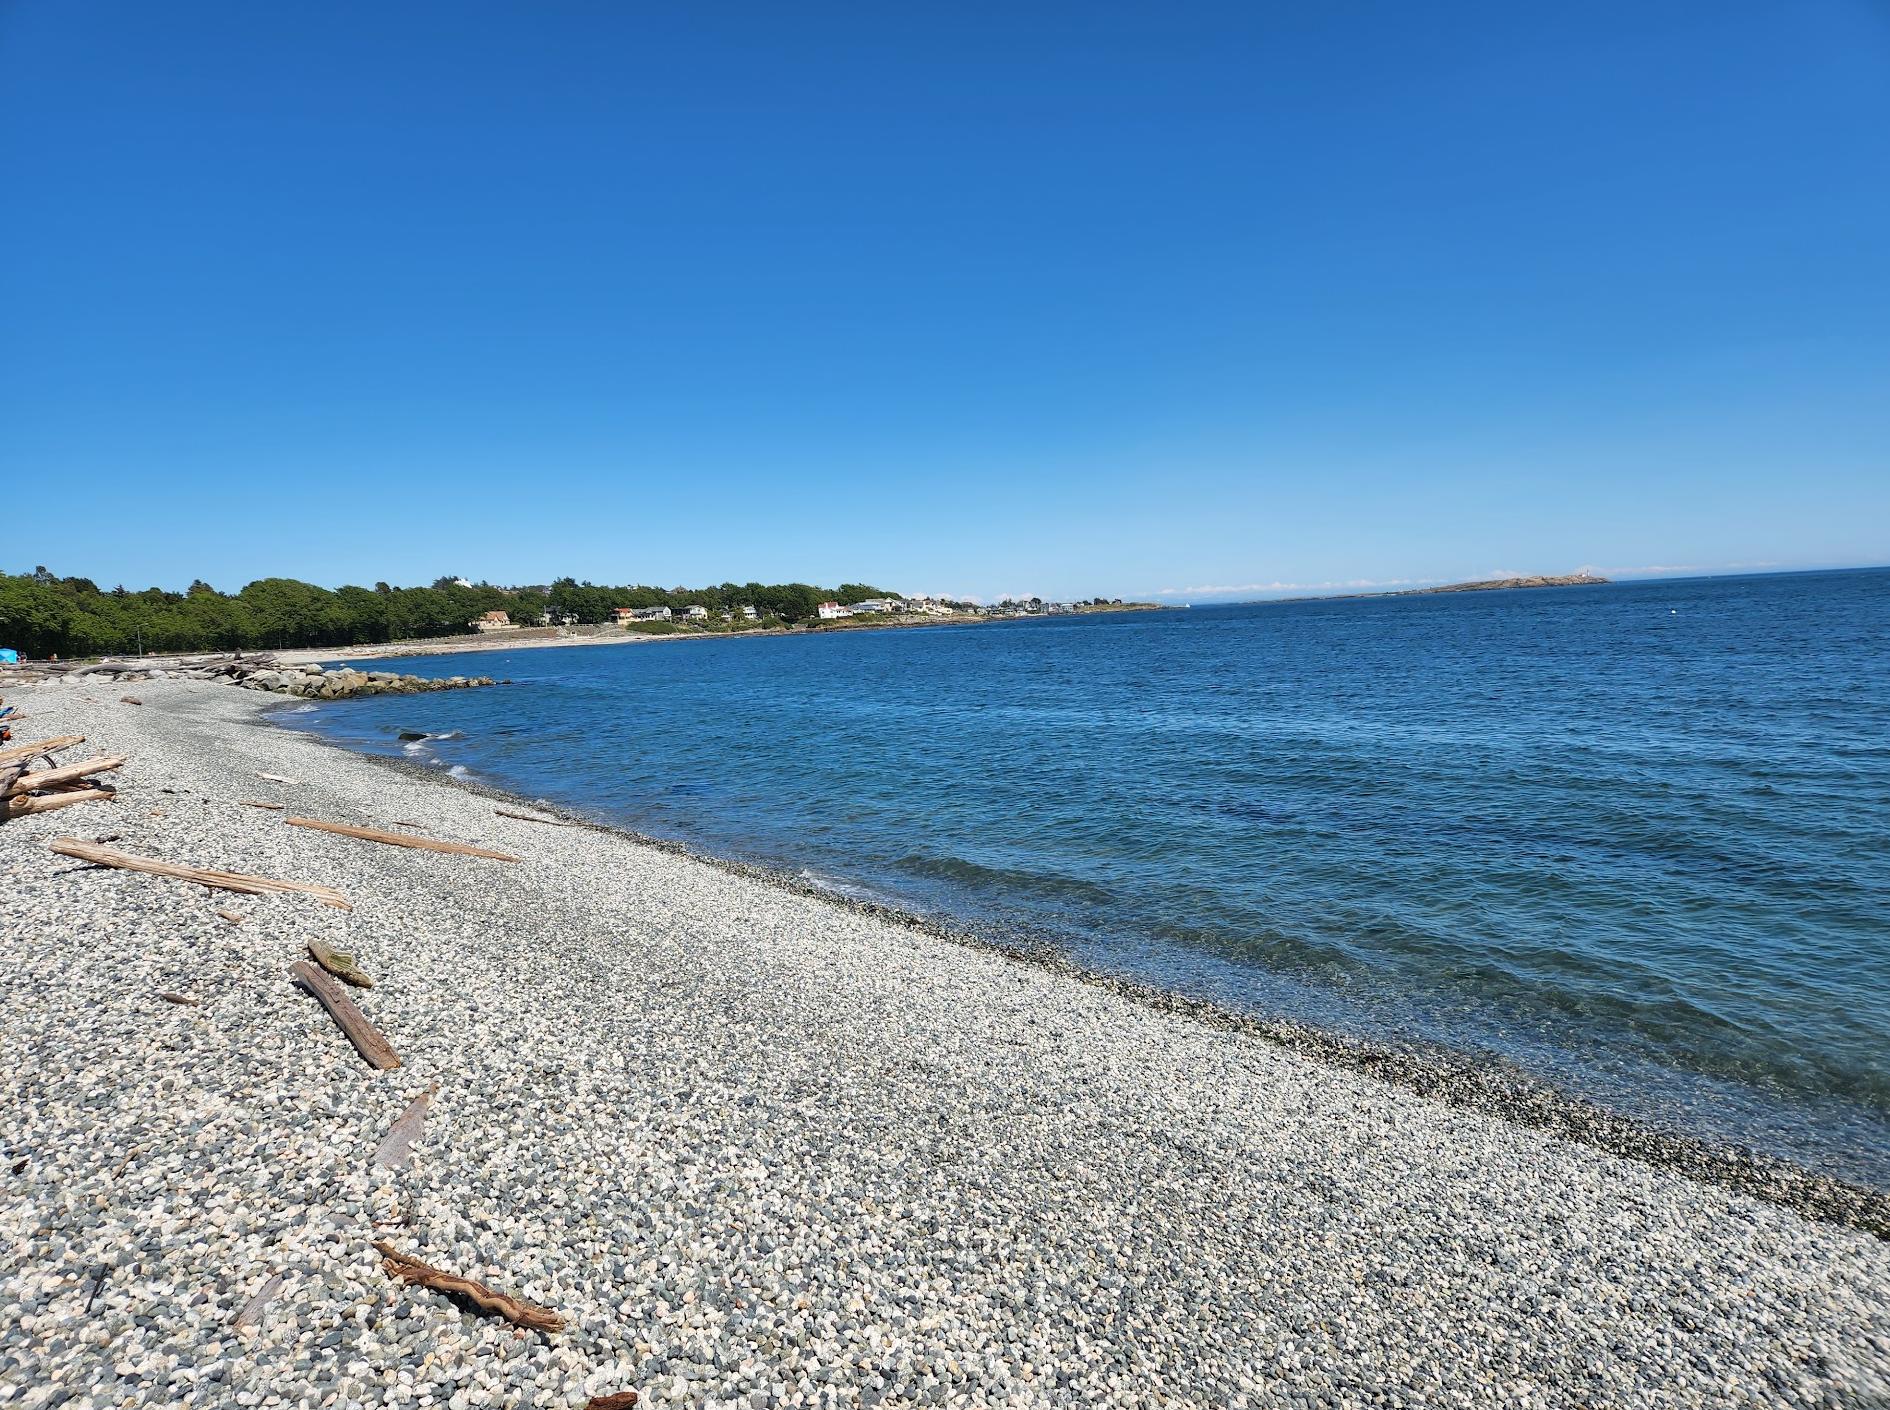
pixel 43 615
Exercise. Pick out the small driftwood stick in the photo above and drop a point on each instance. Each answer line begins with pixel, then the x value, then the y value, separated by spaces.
pixel 233 917
pixel 278 778
pixel 340 964
pixel 396 1148
pixel 253 1309
pixel 616 1400
pixel 412 1270
pixel 21 807
pixel 367 1039
pixel 401 839
pixel 129 700
pixel 65 773
pixel 255 803
pixel 171 998
pixel 218 880
pixel 548 822
pixel 16 752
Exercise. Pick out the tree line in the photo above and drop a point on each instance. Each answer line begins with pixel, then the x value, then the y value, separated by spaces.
pixel 43 615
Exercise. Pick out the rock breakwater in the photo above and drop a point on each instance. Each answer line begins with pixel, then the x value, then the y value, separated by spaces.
pixel 315 683
pixel 252 672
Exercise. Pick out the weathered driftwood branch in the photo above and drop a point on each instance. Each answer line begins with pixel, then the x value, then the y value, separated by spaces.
pixel 65 773
pixel 218 880
pixel 19 807
pixel 278 778
pixel 340 964
pixel 368 1040
pixel 412 1270
pixel 548 822
pixel 256 803
pixel 401 839
pixel 616 1400
pixel 15 753
pixel 129 700
pixel 396 1148
pixel 253 1309
pixel 171 998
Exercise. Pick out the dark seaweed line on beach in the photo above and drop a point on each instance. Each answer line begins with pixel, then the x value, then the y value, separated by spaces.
pixel 1456 1079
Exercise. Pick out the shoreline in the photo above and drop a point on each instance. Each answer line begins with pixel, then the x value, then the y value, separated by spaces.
pixel 763 1148
pixel 496 641
pixel 493 641
pixel 1471 1081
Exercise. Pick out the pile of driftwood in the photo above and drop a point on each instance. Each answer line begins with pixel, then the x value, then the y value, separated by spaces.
pixel 30 782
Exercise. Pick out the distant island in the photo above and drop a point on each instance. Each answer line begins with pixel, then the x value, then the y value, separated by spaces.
pixel 1541 580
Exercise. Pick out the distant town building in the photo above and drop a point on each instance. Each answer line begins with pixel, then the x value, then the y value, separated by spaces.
pixel 625 615
pixel 879 604
pixel 829 611
pixel 492 622
pixel 695 612
pixel 550 618
pixel 747 614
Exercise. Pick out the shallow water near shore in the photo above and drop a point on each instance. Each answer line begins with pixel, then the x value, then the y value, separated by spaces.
pixel 1630 839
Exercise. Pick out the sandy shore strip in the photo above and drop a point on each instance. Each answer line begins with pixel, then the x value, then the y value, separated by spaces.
pixel 761 1150
pixel 535 639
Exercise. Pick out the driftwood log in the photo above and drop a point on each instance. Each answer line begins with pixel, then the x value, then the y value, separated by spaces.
pixel 14 753
pixel 64 773
pixel 340 964
pixel 18 807
pixel 396 1148
pixel 367 1039
pixel 218 880
pixel 412 1270
pixel 401 839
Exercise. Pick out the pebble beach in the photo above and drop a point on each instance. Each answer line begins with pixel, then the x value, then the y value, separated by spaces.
pixel 758 1149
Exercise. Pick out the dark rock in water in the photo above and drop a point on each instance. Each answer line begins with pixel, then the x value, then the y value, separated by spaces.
pixel 408 734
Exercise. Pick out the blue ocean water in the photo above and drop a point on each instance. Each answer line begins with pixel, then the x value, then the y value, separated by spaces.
pixel 1634 839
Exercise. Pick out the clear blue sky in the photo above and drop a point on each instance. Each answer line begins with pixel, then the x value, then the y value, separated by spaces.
pixel 956 298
